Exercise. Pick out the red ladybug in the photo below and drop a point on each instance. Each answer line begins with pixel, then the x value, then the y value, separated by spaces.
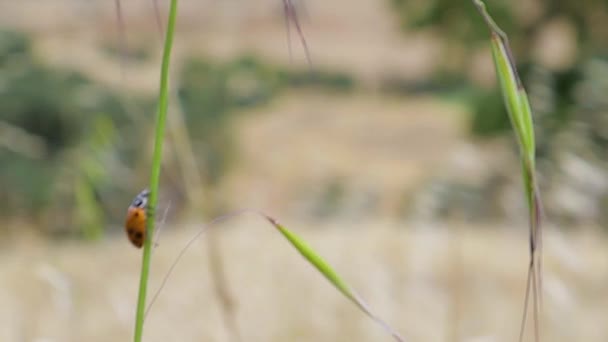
pixel 135 225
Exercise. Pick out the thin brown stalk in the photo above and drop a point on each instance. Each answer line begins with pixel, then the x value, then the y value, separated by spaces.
pixel 291 16
pixel 191 174
pixel 221 286
pixel 159 21
pixel 122 39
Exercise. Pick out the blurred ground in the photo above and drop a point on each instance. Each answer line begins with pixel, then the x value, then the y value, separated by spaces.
pixel 364 153
pixel 432 282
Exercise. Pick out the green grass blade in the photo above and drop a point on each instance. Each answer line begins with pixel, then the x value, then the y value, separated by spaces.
pixel 513 93
pixel 527 129
pixel 155 173
pixel 327 271
pixel 320 264
pixel 520 114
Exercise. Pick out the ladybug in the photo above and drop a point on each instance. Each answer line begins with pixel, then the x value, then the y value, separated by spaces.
pixel 135 225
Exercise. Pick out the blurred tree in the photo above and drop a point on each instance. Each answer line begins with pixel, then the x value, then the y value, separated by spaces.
pixel 50 124
pixel 560 48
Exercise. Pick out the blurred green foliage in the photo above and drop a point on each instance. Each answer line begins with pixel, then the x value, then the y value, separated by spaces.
pixel 457 21
pixel 69 146
pixel 327 80
pixel 452 18
pixel 134 52
pixel 14 46
pixel 210 94
pixel 52 121
pixel 488 118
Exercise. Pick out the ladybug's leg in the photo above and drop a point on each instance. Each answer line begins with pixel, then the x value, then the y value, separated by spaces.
pixel 150 211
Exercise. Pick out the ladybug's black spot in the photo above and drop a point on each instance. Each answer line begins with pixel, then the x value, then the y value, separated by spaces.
pixel 130 231
pixel 138 235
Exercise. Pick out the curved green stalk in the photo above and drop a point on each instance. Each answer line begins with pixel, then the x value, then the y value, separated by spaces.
pixel 155 175
pixel 328 272
pixel 305 250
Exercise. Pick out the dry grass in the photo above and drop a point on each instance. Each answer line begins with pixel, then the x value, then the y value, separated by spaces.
pixel 444 284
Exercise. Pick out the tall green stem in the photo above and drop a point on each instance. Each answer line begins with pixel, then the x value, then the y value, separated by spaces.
pixel 163 99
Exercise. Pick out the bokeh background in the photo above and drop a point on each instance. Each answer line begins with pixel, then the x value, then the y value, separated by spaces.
pixel 390 153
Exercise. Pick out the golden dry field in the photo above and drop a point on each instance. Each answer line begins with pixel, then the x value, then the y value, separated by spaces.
pixel 432 282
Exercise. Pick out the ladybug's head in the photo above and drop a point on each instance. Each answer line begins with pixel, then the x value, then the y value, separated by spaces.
pixel 141 199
